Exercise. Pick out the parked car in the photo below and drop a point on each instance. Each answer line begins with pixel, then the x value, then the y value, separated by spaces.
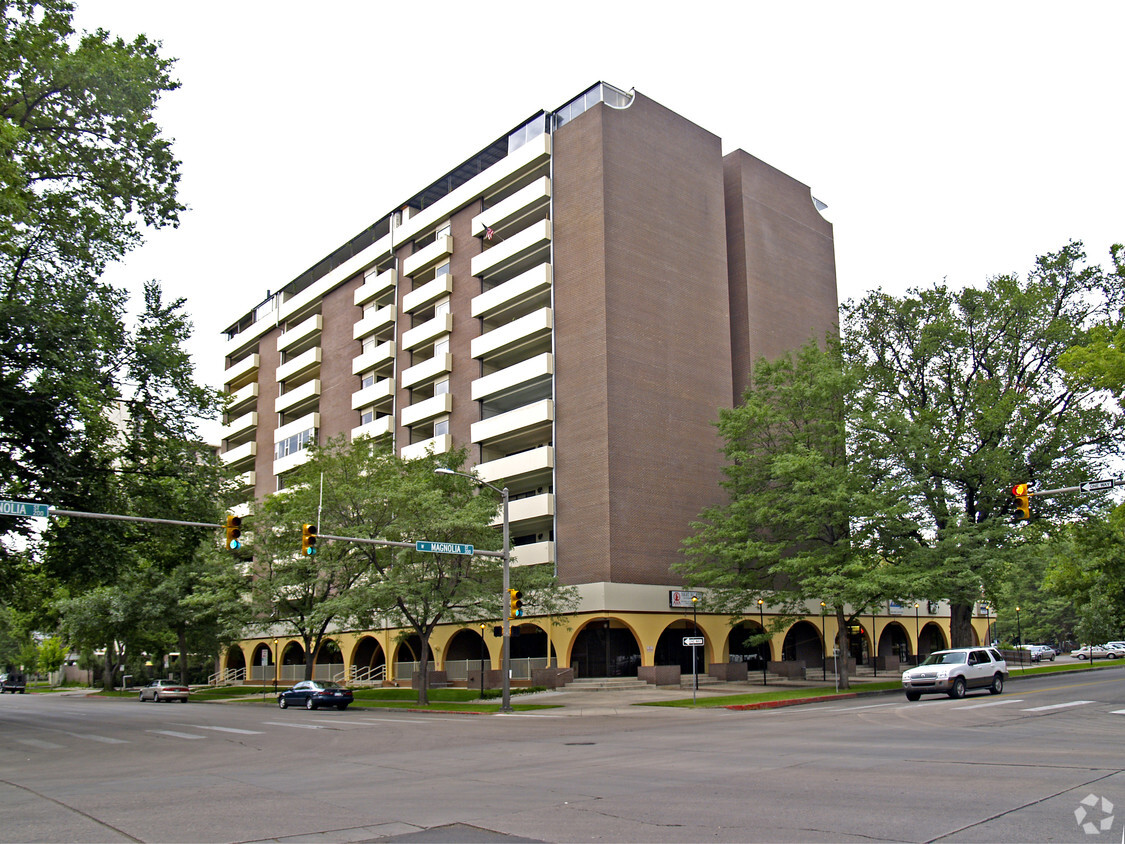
pixel 1039 652
pixel 13 682
pixel 1098 652
pixel 162 690
pixel 313 694
pixel 956 670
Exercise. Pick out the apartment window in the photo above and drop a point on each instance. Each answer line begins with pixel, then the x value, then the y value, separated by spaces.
pixel 442 270
pixel 366 417
pixel 441 387
pixel 441 426
pixel 368 380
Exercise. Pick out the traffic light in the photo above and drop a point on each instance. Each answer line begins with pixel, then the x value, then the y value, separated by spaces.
pixel 1023 502
pixel 515 601
pixel 234 530
pixel 308 540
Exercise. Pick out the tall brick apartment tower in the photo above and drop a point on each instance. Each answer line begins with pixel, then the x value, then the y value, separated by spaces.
pixel 575 303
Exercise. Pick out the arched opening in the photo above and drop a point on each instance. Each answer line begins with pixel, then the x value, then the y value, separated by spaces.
pixel 602 649
pixel 530 649
pixel 932 638
pixel 893 641
pixel 261 664
pixel 329 662
pixel 740 649
pixel 859 643
pixel 369 662
pixel 670 649
pixel 235 658
pixel 292 663
pixel 408 658
pixel 803 644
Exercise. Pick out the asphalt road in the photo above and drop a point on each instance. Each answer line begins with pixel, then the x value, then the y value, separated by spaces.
pixel 1010 768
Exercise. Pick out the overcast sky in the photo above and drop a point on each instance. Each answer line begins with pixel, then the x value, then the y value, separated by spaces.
pixel 949 140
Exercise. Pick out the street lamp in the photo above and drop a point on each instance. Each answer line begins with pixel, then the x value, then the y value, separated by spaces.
pixel 874 647
pixel 694 659
pixel 824 640
pixel 506 641
pixel 276 665
pixel 482 661
pixel 762 621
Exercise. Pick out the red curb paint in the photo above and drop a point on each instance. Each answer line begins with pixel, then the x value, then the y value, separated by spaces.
pixel 774 704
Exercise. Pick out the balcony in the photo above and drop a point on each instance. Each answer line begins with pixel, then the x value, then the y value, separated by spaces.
pixel 510 253
pixel 506 341
pixel 507 469
pixel 420 297
pixel 532 286
pixel 241 372
pixel 304 364
pixel 526 200
pixel 373 285
pixel 427 409
pixel 244 423
pixel 380 427
pixel 372 322
pixel 300 335
pixel 521 377
pixel 428 256
pixel 240 455
pixel 524 424
pixel 380 356
pixel 533 554
pixel 425 333
pixel 241 398
pixel 438 445
pixel 298 396
pixel 246 480
pixel 291 461
pixel 427 370
pixel 535 510
pixel 380 391
pixel 247 338
pixel 308 422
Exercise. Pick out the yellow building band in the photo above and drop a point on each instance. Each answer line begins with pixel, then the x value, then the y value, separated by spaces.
pixel 598 644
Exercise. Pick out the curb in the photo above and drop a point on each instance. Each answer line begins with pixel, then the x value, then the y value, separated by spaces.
pixel 794 701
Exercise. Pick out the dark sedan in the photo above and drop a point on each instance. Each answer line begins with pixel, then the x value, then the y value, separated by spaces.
pixel 313 694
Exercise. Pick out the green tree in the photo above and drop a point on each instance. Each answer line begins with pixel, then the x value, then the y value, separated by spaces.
pixel 1086 570
pixel 1100 361
pixel 961 395
pixel 803 514
pixel 83 168
pixel 52 654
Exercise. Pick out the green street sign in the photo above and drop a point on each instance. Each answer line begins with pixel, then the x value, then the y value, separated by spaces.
pixel 25 508
pixel 443 547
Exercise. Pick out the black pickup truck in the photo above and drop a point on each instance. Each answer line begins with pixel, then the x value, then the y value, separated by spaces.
pixel 14 682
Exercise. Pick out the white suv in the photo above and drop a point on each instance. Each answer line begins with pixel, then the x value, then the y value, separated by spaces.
pixel 956 670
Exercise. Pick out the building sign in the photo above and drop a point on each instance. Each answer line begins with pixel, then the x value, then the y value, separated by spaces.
pixel 682 600
pixel 895 608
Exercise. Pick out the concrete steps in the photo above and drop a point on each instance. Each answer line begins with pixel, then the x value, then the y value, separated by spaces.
pixel 606 684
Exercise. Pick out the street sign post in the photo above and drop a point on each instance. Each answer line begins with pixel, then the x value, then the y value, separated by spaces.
pixel 692 641
pixel 30 509
pixel 443 547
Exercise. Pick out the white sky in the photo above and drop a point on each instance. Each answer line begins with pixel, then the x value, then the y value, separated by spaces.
pixel 953 140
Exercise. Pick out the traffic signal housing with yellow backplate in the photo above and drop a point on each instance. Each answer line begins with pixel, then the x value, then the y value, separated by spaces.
pixel 308 540
pixel 515 603
pixel 1023 502
pixel 234 531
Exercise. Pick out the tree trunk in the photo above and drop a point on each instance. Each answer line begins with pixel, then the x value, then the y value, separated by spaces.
pixel 843 646
pixel 424 672
pixel 110 664
pixel 960 625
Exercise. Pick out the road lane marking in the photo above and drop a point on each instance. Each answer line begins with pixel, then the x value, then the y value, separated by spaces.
pixel 174 734
pixel 990 703
pixel 1118 712
pixel 102 739
pixel 298 726
pixel 854 708
pixel 226 730
pixel 41 745
pixel 1058 706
